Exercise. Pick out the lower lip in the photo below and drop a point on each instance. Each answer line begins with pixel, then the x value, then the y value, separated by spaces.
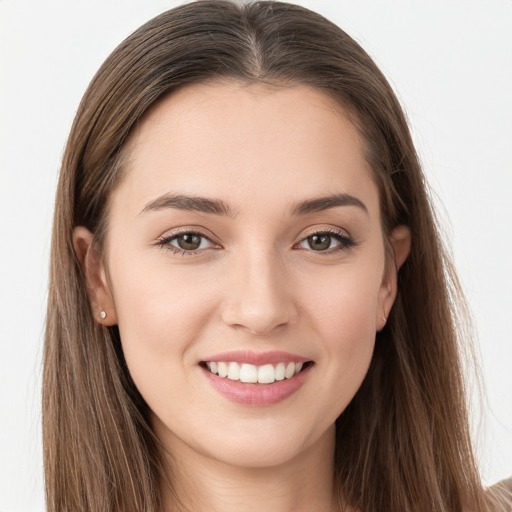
pixel 258 394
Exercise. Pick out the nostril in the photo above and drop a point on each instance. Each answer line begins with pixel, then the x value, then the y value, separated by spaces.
pixel 259 307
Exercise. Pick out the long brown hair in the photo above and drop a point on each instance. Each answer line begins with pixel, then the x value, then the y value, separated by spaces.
pixel 403 442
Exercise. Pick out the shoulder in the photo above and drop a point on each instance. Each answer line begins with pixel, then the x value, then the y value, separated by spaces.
pixel 501 494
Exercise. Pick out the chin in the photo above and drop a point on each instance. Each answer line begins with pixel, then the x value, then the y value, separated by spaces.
pixel 268 445
pixel 259 454
pixel 246 443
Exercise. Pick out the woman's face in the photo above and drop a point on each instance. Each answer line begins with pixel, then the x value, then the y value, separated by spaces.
pixel 246 233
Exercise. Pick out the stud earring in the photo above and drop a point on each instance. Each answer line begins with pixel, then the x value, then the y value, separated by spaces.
pixel 103 315
pixel 384 318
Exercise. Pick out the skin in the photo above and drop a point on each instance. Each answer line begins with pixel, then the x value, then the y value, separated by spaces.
pixel 255 283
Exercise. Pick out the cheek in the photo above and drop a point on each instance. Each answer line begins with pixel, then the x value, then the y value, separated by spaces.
pixel 343 305
pixel 161 312
pixel 343 317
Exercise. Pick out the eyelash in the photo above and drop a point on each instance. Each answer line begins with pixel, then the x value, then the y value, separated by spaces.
pixel 165 242
pixel 345 242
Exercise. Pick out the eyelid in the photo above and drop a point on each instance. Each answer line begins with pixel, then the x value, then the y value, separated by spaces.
pixel 333 230
pixel 345 240
pixel 196 230
pixel 163 241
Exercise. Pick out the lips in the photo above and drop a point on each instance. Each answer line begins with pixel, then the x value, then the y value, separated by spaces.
pixel 257 358
pixel 250 373
pixel 257 379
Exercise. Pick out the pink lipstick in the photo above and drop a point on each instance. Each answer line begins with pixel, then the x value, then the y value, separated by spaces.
pixel 257 379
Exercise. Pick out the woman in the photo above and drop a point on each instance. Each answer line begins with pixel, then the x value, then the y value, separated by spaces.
pixel 250 306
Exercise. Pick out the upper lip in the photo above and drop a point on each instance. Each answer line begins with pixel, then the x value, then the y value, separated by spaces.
pixel 256 358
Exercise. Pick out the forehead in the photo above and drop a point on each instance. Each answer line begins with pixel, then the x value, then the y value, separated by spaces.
pixel 245 142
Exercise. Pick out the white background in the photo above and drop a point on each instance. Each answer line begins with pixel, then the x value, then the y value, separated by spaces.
pixel 450 62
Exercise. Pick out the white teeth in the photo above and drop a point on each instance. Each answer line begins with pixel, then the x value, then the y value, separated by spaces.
pixel 265 374
pixel 280 371
pixel 290 370
pixel 223 369
pixel 233 371
pixel 248 373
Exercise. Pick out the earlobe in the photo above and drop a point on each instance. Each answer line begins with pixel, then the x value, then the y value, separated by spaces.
pixel 98 288
pixel 401 245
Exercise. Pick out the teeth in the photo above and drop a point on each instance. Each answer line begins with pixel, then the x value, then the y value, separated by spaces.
pixel 290 370
pixel 233 371
pixel 223 369
pixel 248 373
pixel 280 371
pixel 266 374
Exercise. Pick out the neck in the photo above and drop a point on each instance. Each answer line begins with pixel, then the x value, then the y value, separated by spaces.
pixel 305 483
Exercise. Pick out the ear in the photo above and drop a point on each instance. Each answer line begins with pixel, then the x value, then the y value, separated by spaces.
pixel 401 245
pixel 98 288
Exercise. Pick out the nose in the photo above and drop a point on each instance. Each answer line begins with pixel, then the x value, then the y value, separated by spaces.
pixel 259 295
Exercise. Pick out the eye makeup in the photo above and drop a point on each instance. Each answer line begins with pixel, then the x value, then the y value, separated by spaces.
pixel 190 242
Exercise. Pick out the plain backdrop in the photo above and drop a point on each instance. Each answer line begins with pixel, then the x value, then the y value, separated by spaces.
pixel 450 62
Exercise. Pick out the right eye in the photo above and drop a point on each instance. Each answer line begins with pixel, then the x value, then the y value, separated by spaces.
pixel 186 243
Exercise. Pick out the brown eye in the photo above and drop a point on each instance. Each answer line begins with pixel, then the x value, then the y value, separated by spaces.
pixel 327 242
pixel 319 242
pixel 188 241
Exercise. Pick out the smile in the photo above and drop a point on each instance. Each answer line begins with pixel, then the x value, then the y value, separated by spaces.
pixel 256 379
pixel 250 373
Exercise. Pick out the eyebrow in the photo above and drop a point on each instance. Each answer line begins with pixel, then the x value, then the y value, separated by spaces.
pixel 325 203
pixel 189 203
pixel 219 207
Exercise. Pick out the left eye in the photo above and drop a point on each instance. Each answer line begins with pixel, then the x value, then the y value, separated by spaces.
pixel 322 242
